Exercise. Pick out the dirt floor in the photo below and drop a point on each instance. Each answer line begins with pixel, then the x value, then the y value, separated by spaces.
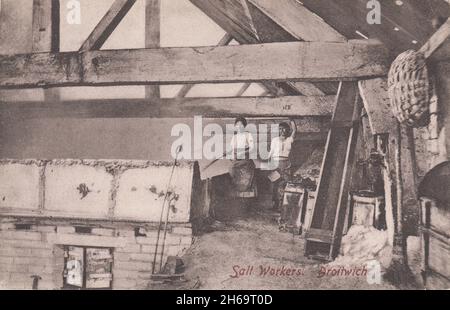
pixel 250 252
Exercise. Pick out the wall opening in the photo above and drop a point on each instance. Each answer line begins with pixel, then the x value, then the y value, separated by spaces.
pixel 87 268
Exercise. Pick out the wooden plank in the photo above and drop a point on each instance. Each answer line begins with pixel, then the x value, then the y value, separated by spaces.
pixel 437 48
pixel 332 190
pixel 298 61
pixel 211 107
pixel 374 94
pixel 319 235
pixel 45 34
pixel 107 25
pixel 152 37
pixel 298 20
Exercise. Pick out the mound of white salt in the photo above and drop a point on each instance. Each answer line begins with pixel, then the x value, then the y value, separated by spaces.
pixel 363 244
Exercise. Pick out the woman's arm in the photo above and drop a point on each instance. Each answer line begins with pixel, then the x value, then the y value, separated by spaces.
pixel 294 129
pixel 272 148
pixel 250 143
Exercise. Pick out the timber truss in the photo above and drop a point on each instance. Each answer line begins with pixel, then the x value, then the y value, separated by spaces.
pixel 309 66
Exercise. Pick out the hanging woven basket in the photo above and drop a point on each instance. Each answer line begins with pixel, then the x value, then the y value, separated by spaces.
pixel 410 89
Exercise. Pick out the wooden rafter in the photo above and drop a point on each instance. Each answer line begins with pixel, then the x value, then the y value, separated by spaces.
pixel 107 25
pixel 296 61
pixel 401 26
pixel 231 16
pixel 298 21
pixel 437 48
pixel 268 30
pixel 286 21
pixel 207 107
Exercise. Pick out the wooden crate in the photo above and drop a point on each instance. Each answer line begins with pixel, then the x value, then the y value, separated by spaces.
pixel 435 224
pixel 295 201
pixel 367 210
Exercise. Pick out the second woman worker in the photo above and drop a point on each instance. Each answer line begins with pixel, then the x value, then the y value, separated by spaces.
pixel 280 149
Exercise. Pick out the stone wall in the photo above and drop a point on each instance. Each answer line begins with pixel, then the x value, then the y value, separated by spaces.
pixel 44 202
pixel 39 251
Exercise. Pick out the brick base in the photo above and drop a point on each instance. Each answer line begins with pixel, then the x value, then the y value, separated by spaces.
pixel 39 251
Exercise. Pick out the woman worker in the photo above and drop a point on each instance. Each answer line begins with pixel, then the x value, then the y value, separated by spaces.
pixel 280 148
pixel 242 170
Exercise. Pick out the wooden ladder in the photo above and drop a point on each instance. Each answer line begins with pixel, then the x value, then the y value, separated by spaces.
pixel 325 233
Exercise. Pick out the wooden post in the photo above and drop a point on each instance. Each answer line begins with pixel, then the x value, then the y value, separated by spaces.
pixel 409 198
pixel 152 37
pixel 45 29
pixel 45 34
pixel 398 192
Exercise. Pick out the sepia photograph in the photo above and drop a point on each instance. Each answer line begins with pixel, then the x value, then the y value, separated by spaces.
pixel 224 145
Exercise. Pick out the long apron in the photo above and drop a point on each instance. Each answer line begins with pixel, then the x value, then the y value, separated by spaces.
pixel 242 174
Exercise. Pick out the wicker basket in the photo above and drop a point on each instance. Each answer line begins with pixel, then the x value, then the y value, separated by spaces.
pixel 409 89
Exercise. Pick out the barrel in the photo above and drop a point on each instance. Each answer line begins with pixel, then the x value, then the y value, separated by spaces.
pixel 367 209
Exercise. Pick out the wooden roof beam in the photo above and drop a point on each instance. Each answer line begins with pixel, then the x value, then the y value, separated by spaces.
pixel 292 61
pixel 225 40
pixel 321 106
